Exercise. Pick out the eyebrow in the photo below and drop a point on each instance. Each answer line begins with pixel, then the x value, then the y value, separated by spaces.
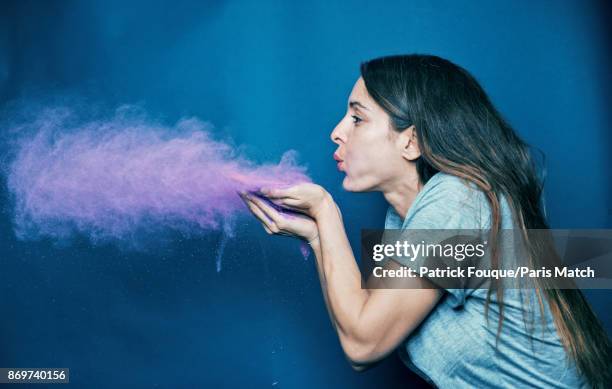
pixel 354 103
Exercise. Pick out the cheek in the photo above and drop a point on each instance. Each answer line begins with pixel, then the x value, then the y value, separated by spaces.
pixel 360 161
pixel 367 163
pixel 365 154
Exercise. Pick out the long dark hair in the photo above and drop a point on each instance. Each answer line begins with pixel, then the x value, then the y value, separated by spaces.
pixel 460 132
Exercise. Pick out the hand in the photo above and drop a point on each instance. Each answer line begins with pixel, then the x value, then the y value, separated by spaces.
pixel 306 198
pixel 276 221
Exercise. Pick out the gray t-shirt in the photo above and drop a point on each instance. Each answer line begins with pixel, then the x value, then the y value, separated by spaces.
pixel 454 347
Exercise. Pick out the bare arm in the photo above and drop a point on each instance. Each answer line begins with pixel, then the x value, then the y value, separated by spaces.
pixel 370 323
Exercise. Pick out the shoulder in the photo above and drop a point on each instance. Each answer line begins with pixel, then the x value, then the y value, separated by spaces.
pixel 448 201
pixel 452 189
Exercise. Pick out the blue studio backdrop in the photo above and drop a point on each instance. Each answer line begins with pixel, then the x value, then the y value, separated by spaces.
pixel 273 76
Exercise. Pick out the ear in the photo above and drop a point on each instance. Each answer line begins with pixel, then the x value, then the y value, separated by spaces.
pixel 409 144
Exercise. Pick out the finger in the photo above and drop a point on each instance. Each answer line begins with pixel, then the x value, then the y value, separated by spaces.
pixel 263 222
pixel 278 193
pixel 278 220
pixel 259 214
pixel 274 220
pixel 268 210
pixel 284 203
pixel 286 209
pixel 290 202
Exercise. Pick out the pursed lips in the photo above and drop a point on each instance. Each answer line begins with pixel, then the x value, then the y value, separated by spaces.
pixel 339 161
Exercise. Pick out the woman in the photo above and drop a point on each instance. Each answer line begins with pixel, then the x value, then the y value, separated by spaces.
pixel 422 131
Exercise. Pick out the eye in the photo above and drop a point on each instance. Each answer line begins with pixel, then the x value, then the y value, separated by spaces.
pixel 356 119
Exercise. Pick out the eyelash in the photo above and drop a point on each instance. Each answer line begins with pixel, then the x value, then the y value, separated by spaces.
pixel 357 119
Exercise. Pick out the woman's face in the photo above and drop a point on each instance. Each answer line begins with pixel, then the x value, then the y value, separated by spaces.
pixel 370 152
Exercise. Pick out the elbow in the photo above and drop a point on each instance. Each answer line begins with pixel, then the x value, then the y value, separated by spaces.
pixel 359 353
pixel 359 368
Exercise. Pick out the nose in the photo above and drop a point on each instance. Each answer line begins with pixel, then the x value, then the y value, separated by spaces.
pixel 338 135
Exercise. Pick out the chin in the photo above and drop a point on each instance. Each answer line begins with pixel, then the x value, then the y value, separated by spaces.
pixel 350 186
pixel 346 186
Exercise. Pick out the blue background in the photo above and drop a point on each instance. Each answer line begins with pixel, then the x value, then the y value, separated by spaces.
pixel 272 76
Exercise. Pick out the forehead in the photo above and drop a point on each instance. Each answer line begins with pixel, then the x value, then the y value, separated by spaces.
pixel 360 92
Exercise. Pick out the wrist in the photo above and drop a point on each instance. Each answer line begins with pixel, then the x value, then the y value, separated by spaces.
pixel 314 242
pixel 326 205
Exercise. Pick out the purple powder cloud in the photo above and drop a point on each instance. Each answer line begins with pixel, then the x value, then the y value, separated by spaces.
pixel 114 179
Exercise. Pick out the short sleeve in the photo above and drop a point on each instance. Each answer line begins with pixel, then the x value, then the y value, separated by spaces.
pixel 447 212
pixel 449 203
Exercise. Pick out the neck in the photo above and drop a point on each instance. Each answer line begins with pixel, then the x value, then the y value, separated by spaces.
pixel 401 194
